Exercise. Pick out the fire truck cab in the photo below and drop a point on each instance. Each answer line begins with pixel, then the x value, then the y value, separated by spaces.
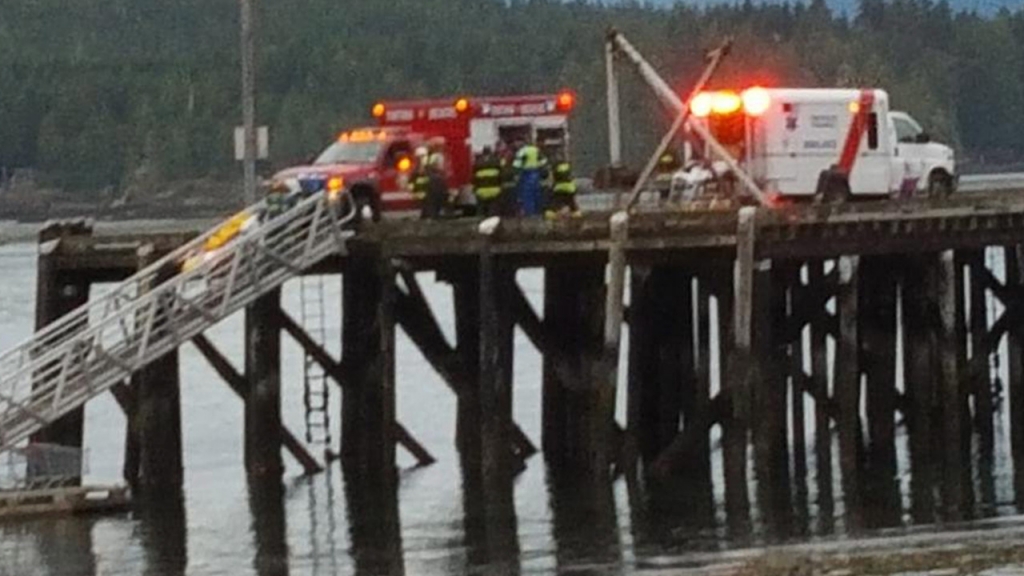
pixel 786 137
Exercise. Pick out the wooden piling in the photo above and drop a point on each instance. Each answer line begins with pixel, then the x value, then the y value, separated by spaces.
pixel 847 389
pixel 919 372
pixel 1013 256
pixel 950 389
pixel 819 381
pixel 156 422
pixel 368 351
pixel 739 368
pixel 981 385
pixel 263 397
pixel 796 376
pixel 878 342
pixel 58 292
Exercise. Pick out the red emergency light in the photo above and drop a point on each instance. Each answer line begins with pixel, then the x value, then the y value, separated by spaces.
pixel 753 101
pixel 566 101
pixel 461 105
pixel 378 110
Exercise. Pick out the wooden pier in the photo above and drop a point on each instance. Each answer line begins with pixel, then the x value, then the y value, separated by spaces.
pixel 867 317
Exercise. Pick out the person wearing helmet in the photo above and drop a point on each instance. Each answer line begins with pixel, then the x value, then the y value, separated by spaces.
pixel 419 180
pixel 530 166
pixel 437 179
pixel 487 182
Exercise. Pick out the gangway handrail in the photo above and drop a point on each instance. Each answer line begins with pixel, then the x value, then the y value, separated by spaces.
pixel 157 309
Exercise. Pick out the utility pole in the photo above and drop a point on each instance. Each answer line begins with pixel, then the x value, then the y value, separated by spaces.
pixel 248 100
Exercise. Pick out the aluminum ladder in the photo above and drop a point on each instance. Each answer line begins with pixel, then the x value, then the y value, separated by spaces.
pixel 87 351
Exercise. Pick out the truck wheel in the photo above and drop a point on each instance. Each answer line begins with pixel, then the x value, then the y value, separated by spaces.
pixel 940 185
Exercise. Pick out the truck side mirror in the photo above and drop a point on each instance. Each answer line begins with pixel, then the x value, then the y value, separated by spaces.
pixel 923 138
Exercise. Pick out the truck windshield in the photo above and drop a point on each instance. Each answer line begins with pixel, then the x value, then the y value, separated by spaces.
pixel 350 153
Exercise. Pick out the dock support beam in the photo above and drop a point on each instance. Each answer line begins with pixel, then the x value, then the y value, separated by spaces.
pixel 919 374
pixel 57 293
pixel 575 425
pixel 847 389
pixel 263 397
pixel 878 348
pixel 368 352
pixel 154 426
pixel 741 370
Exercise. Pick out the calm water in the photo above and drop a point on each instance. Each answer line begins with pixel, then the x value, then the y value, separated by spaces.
pixel 223 529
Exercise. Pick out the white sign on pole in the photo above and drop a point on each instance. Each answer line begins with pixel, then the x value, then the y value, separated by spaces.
pixel 262 143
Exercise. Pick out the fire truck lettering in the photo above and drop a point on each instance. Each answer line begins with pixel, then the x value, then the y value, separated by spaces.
pixel 399 115
pixel 503 110
pixel 526 109
pixel 441 113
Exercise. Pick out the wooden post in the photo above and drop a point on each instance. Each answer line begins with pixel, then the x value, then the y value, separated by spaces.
pixel 737 383
pixel 878 342
pixel 269 524
pixel 157 417
pixel 795 371
pixel 466 292
pixel 820 382
pixel 769 359
pixel 58 293
pixel 263 397
pixel 981 382
pixel 1014 261
pixel 368 351
pixel 952 488
pixel 847 389
pixel 919 373
pixel 701 462
pixel 374 525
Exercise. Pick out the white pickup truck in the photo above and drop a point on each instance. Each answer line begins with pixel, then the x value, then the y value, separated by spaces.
pixel 786 137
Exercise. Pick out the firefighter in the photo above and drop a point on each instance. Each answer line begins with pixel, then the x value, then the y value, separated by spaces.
pixel 437 180
pixel 419 180
pixel 563 189
pixel 530 165
pixel 668 164
pixel 487 182
pixel 507 203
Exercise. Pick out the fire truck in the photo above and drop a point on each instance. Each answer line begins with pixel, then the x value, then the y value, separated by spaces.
pixel 374 163
pixel 786 138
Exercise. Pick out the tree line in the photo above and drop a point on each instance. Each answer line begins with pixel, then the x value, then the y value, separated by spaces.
pixel 96 93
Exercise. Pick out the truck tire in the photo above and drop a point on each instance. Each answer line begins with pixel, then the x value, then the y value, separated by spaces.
pixel 940 184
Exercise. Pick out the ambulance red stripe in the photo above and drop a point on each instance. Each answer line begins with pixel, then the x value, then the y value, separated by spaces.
pixel 858 126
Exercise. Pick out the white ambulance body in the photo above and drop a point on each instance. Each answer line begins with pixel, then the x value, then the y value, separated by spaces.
pixel 785 137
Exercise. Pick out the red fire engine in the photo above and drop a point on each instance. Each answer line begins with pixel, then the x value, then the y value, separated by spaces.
pixel 374 163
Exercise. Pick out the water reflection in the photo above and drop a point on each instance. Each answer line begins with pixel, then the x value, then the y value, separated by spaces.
pixel 490 523
pixel 266 502
pixel 162 530
pixel 672 512
pixel 65 546
pixel 374 526
pixel 585 526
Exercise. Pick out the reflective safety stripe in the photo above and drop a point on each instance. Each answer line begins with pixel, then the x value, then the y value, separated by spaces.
pixel 564 183
pixel 488 192
pixel 488 173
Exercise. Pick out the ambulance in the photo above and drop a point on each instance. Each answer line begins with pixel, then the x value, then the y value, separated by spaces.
pixel 375 163
pixel 785 138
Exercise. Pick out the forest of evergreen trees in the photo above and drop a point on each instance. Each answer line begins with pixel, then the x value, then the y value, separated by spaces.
pixel 95 92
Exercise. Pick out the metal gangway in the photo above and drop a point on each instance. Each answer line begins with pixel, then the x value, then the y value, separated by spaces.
pixel 105 341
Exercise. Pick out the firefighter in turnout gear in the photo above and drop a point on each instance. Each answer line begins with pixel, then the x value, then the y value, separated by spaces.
pixel 563 190
pixel 668 164
pixel 437 180
pixel 487 182
pixel 419 180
